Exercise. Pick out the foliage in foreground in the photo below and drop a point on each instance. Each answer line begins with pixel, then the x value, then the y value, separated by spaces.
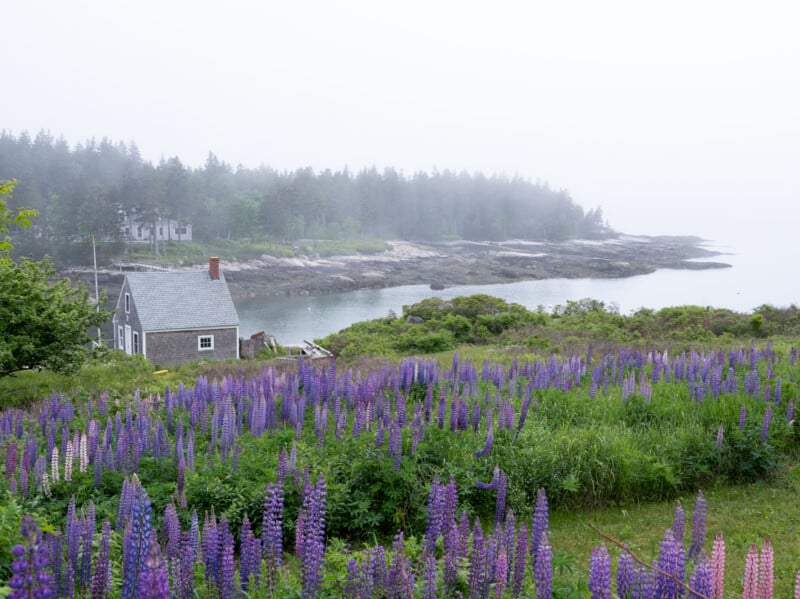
pixel 591 430
pixel 43 319
pixel 436 325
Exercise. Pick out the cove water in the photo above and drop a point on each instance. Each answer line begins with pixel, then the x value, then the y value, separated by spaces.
pixel 755 278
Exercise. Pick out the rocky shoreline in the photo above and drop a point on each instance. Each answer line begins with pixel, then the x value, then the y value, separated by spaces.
pixel 450 263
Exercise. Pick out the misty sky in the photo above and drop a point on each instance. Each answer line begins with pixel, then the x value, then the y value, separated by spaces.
pixel 675 117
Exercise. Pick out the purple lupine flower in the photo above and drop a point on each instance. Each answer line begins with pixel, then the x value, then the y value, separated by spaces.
pixel 352 580
pixel 441 408
pixel 98 466
pixel 520 558
pixel 400 578
pixel 194 533
pixel 184 581
pixel 154 579
pixel 500 502
pixel 250 561
pixel 226 569
pixel 395 448
pixel 487 446
pixel 436 507
pixel 765 571
pixel 678 523
pixel 210 548
pixel 72 531
pixel 540 526
pixel 789 411
pixel 718 568
pixel 625 574
pixel 313 537
pixel 282 464
pixel 125 505
pixel 190 452
pixel 501 573
pixel 87 536
pixel 450 532
pixel 171 532
pixel 698 526
pixel 430 583
pixel 137 540
pixel 30 577
pixel 11 459
pixel 671 563
pixel 750 590
pixel 272 531
pixel 477 563
pixel 765 424
pixel 700 581
pixel 55 546
pixel 742 417
pixel 507 534
pixel 102 566
pixel 180 489
pixel 600 573
pixel 543 569
pixel 720 436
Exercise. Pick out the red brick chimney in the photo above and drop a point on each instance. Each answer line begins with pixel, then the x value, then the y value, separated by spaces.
pixel 213 268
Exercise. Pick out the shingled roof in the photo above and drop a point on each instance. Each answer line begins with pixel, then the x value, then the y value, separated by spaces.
pixel 181 300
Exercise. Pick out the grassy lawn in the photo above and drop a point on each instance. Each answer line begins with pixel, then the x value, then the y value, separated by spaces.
pixel 746 515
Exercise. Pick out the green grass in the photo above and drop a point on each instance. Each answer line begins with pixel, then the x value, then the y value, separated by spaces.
pixel 746 514
pixel 195 252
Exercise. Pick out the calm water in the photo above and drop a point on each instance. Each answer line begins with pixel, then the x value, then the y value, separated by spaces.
pixel 752 281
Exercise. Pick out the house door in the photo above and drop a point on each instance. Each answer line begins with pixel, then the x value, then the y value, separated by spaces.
pixel 128 344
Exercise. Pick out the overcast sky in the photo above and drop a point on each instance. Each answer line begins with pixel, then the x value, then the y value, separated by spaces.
pixel 675 117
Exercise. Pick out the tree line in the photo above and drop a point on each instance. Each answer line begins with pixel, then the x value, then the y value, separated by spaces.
pixel 89 189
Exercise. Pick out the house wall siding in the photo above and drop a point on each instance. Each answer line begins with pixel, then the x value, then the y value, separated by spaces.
pixel 181 346
pixel 121 318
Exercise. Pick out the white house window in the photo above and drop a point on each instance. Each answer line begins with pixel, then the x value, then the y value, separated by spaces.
pixel 127 303
pixel 205 342
pixel 121 338
pixel 135 342
pixel 180 230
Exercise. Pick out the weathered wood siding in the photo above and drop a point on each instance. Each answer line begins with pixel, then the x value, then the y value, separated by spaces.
pixel 174 347
pixel 121 318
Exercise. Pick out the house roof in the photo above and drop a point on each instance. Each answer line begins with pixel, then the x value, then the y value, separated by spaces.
pixel 181 300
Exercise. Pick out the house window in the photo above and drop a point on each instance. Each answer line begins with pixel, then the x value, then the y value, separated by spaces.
pixel 127 303
pixel 205 342
pixel 180 230
pixel 135 342
pixel 121 338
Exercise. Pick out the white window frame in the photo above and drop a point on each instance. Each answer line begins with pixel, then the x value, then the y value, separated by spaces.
pixel 136 349
pixel 200 339
pixel 121 336
pixel 127 303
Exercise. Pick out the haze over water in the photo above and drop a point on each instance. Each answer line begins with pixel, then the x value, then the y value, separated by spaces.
pixel 760 273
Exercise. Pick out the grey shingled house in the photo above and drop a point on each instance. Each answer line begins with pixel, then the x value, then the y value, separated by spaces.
pixel 174 317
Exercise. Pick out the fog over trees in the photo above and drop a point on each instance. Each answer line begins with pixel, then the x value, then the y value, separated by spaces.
pixel 89 189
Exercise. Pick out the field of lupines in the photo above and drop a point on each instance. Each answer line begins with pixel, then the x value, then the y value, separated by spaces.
pixel 266 486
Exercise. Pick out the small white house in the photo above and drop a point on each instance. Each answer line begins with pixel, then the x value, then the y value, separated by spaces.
pixel 164 229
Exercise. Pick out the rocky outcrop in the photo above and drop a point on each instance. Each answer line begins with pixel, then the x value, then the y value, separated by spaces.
pixel 439 265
